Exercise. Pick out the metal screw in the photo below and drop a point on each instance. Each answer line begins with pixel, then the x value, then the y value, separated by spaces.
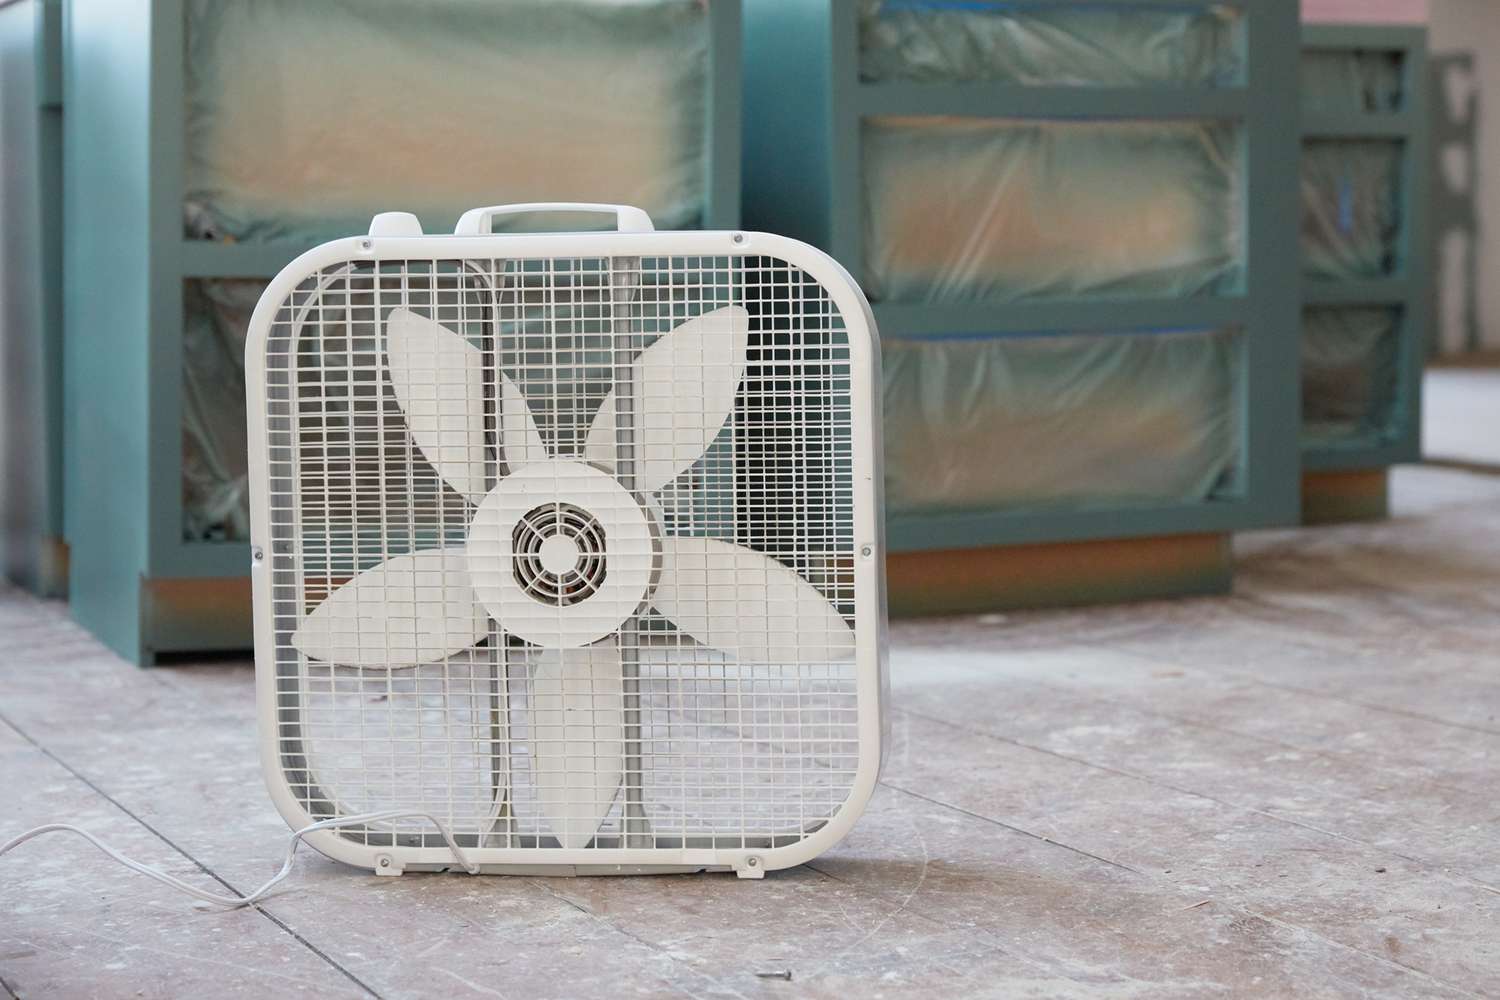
pixel 365 244
pixel 738 237
pixel 753 862
pixel 257 553
pixel 867 551
pixel 385 862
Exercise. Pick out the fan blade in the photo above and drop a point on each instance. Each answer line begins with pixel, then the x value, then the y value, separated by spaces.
pixel 520 441
pixel 438 378
pixel 578 737
pixel 746 604
pixel 409 610
pixel 684 388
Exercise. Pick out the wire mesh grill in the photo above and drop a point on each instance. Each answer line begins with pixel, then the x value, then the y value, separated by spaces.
pixel 707 399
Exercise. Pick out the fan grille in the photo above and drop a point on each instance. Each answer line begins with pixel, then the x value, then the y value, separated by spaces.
pixel 722 749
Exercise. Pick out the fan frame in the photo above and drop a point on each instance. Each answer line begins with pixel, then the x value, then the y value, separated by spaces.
pixel 870 626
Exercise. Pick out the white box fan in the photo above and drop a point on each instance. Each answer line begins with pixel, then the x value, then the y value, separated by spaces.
pixel 567 547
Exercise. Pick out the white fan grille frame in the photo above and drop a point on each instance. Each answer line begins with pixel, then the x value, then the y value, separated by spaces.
pixel 728 763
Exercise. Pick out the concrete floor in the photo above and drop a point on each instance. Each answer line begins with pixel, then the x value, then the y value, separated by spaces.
pixel 1459 410
pixel 1288 791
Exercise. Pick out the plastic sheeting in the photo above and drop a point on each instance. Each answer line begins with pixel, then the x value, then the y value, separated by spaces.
pixel 1192 44
pixel 305 119
pixel 215 483
pixel 1350 207
pixel 1002 210
pixel 215 469
pixel 541 336
pixel 1351 80
pixel 1349 375
pixel 1059 422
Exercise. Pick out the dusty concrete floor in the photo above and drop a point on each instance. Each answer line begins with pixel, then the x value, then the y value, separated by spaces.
pixel 1288 791
pixel 1459 409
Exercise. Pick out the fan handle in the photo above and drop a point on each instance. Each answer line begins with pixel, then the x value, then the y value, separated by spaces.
pixel 480 221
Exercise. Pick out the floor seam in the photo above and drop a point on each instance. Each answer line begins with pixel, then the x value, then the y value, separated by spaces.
pixel 904 904
pixel 1187 722
pixel 1227 904
pixel 1431 866
pixel 1383 959
pixel 1364 704
pixel 1336 625
pixel 258 908
pixel 643 942
pixel 1478 468
pixel 1014 829
pixel 1252 678
pixel 1232 907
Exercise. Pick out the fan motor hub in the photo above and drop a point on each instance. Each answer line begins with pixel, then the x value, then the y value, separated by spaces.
pixel 560 554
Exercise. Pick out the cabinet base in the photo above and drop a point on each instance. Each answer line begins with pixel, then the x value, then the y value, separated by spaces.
pixel 1060 574
pixel 40 565
pixel 211 615
pixel 1345 496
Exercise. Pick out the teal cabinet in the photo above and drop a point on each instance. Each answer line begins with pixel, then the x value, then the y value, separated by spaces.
pixel 1366 272
pixel 1077 224
pixel 32 547
pixel 210 143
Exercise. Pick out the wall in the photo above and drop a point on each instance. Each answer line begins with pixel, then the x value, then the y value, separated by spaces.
pixel 1368 11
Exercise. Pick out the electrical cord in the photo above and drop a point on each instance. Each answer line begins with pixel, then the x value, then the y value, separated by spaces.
pixel 235 902
pixel 313 300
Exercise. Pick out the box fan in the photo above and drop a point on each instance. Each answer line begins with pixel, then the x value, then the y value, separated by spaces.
pixel 567 547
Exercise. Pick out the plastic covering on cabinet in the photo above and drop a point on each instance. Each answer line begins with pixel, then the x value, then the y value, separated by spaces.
pixel 1002 210
pixel 1349 375
pixel 542 333
pixel 1070 421
pixel 215 484
pixel 1350 207
pixel 1359 80
pixel 305 119
pixel 1042 44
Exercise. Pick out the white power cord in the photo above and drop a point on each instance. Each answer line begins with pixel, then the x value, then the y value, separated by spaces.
pixel 234 902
